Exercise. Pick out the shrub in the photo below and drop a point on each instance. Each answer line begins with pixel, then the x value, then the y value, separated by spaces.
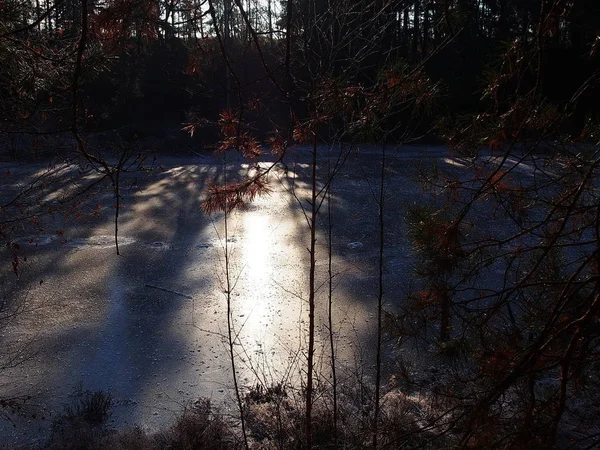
pixel 200 428
pixel 82 424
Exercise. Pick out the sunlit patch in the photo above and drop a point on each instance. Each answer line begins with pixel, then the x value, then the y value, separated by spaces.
pixel 103 241
pixel 257 270
pixel 257 235
pixel 57 170
pixel 512 164
pixel 453 162
pixel 176 171
pixel 262 164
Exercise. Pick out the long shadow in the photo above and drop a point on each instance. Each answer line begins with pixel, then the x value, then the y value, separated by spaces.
pixel 114 323
pixel 355 250
pixel 148 325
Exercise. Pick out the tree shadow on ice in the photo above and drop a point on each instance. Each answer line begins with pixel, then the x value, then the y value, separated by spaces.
pixel 124 319
pixel 148 325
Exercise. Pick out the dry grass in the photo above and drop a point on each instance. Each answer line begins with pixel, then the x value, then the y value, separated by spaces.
pixel 83 426
pixel 274 415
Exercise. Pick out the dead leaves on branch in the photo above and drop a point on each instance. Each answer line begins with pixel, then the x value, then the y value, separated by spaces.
pixel 277 143
pixel 401 86
pixel 244 143
pixel 192 127
pixel 367 113
pixel 306 132
pixel 237 136
pixel 229 122
pixel 234 196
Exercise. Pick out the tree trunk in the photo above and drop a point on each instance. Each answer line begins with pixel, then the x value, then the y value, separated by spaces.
pixel 416 29
pixel 311 298
pixel 405 36
pixel 270 18
pixel 426 22
pixel 503 31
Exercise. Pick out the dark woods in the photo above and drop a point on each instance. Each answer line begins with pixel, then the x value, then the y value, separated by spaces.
pixel 504 301
pixel 147 62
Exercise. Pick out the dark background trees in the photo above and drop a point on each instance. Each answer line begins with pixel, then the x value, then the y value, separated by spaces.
pixel 150 61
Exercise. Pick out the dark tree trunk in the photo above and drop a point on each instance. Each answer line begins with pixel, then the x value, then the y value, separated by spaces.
pixel 416 29
pixel 426 24
pixel 405 35
pixel 503 27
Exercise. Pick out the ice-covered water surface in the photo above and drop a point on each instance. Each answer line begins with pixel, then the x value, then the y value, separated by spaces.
pixel 149 325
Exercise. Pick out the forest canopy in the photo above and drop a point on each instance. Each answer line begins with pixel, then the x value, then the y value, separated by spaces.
pixel 135 62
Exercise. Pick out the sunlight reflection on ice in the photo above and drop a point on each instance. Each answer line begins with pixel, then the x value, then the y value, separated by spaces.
pixel 453 162
pixel 258 269
pixel 256 249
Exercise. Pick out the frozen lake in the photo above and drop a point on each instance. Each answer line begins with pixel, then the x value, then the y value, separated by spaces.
pixel 148 325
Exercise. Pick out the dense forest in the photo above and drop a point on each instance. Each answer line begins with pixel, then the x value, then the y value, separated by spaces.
pixel 137 62
pixel 503 296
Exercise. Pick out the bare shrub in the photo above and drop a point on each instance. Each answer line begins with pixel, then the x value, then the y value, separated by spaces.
pixel 132 439
pixel 82 425
pixel 272 416
pixel 199 427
